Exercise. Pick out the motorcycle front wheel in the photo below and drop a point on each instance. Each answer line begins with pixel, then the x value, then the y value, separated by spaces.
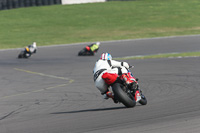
pixel 122 96
pixel 81 52
pixel 143 101
pixel 21 55
pixel 84 52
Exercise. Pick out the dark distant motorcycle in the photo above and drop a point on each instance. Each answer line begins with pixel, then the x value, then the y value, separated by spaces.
pixel 128 95
pixel 89 50
pixel 85 52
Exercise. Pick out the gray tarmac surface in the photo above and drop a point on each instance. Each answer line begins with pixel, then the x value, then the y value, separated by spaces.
pixel 53 91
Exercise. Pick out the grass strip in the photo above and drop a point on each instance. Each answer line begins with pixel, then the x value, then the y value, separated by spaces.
pixel 116 20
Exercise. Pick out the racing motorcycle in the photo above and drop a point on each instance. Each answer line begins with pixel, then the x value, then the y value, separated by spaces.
pixel 85 52
pixel 25 53
pixel 128 94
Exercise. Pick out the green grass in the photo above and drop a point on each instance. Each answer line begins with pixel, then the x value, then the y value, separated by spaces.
pixel 115 20
pixel 169 55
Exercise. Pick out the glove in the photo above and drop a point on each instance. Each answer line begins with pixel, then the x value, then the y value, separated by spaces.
pixel 130 66
pixel 125 64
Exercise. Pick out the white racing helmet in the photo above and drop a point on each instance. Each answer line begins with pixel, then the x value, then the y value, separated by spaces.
pixel 34 45
pixel 106 56
pixel 98 43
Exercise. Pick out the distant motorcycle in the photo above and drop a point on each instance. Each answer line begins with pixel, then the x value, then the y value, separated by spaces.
pixel 24 53
pixel 89 50
pixel 127 95
pixel 85 52
pixel 28 51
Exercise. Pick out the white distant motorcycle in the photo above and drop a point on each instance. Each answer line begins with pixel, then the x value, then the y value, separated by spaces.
pixel 28 51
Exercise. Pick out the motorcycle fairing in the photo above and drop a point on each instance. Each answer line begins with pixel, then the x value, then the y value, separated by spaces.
pixel 137 96
pixel 27 49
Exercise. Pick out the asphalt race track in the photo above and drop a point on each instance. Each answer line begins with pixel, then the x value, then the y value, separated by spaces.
pixel 53 91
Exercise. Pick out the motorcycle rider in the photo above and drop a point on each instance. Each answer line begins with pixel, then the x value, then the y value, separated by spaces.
pixel 93 48
pixel 107 72
pixel 32 48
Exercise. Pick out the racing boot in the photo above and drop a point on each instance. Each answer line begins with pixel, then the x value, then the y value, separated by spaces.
pixel 108 95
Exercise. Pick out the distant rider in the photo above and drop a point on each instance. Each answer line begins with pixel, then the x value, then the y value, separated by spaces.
pixel 108 71
pixel 93 48
pixel 31 48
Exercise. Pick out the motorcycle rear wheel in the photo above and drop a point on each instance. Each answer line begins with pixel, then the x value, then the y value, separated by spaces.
pixel 122 96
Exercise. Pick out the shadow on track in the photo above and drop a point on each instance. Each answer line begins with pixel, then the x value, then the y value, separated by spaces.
pixel 90 110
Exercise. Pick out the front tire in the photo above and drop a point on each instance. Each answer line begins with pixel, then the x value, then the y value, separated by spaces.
pixel 122 96
pixel 21 55
pixel 82 52
pixel 143 101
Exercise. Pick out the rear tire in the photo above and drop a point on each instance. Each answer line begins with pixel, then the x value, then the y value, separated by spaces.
pixel 122 96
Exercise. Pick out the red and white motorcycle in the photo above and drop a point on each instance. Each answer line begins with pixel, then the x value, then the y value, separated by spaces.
pixel 128 93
